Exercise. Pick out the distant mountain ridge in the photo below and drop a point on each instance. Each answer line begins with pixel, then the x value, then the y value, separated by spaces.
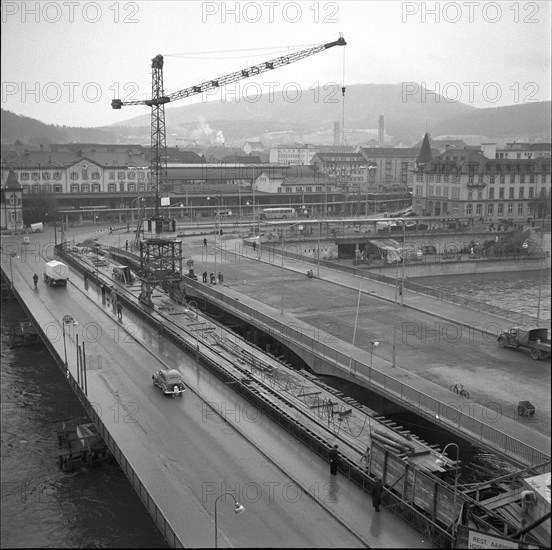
pixel 315 111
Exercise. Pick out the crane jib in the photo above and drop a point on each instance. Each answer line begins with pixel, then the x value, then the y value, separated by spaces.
pixel 157 64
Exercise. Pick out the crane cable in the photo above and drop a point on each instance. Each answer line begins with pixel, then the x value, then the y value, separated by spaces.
pixel 343 102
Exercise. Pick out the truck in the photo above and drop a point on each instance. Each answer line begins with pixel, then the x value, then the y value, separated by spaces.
pixel 536 340
pixel 56 273
pixel 37 227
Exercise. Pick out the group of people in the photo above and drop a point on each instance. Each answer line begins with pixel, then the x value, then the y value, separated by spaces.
pixel 377 489
pixel 212 278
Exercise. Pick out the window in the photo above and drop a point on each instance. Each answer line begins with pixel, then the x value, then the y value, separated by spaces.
pixel 74 175
pixel 470 195
pixel 318 188
pixel 478 209
pixel 522 192
pixel 491 179
pixel 84 173
pixel 531 192
pixel 419 190
pixel 543 178
pixel 438 190
pixel 512 178
pixel 46 175
pixel 36 188
pixel 141 175
pixel 469 209
pixel 455 192
pixel 74 188
pixel 502 178
pixel 479 194
pixel 480 178
pixel 25 189
pixel 491 193
pixel 95 188
pixel 95 175
pixel 532 178
pixel 308 189
pixel 470 178
pixel 35 176
pixel 438 178
pixel 490 209
pixel 121 175
pixel 510 208
pixel 431 178
pixel 57 176
pixel 501 193
pixel 112 187
pixel 121 187
pixel 58 189
pixel 522 178
pixel 141 186
pixel 445 178
pixel 520 208
pixel 511 195
pixel 111 175
pixel 500 208
pixel 47 188
pixel 419 177
pixel 25 176
pixel 131 187
pixel 85 188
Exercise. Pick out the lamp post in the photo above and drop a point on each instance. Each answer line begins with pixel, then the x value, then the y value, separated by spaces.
pixel 394 364
pixel 141 199
pixel 237 510
pixel 11 257
pixel 249 203
pixel 217 219
pixel 374 345
pixel 66 320
pixel 441 462
pixel 403 257
pixel 355 329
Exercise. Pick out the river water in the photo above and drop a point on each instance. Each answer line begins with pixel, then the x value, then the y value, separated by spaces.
pixel 97 507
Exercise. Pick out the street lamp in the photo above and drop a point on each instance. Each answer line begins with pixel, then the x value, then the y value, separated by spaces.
pixel 355 329
pixel 66 320
pixel 374 345
pixel 238 510
pixel 217 221
pixel 441 462
pixel 11 257
pixel 249 203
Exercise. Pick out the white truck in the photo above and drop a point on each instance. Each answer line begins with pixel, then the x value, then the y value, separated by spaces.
pixel 56 273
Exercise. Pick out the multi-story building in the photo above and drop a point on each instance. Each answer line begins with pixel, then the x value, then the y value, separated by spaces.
pixel 350 170
pixel 299 154
pixel 11 204
pixel 391 167
pixel 463 182
pixel 523 151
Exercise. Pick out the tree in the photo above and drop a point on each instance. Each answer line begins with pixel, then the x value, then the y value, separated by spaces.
pixel 39 207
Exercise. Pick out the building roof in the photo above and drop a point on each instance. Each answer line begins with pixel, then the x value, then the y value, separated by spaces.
pixel 241 159
pixel 344 155
pixel 11 181
pixel 374 152
pixel 425 154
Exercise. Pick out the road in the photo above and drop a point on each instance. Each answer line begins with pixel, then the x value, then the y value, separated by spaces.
pixel 186 456
pixel 427 345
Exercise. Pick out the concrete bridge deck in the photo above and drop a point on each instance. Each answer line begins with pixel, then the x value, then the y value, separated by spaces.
pixel 178 462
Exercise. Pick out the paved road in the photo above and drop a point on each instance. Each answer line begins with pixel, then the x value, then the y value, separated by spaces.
pixel 186 457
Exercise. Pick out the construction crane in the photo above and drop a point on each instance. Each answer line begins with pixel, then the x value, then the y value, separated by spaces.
pixel 159 99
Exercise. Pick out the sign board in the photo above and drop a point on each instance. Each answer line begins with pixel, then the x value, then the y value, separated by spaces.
pixel 468 537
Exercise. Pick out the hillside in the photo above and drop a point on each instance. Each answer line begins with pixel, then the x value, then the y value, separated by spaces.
pixel 312 115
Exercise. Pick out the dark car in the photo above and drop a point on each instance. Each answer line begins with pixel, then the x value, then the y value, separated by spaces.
pixel 169 382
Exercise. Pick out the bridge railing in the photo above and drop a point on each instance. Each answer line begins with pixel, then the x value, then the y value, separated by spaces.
pixel 409 397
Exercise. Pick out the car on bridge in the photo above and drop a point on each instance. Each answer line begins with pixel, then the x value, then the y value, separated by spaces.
pixel 169 381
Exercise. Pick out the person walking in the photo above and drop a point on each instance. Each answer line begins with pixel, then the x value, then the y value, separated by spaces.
pixel 334 460
pixel 205 276
pixel 126 246
pixel 35 280
pixel 119 311
pixel 376 495
pixel 220 278
pixel 205 242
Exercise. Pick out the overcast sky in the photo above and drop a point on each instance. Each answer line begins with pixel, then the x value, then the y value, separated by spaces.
pixel 63 62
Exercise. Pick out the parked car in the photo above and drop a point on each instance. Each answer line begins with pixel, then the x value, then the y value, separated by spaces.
pixel 169 382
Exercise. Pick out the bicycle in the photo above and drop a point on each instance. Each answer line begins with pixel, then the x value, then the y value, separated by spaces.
pixel 459 389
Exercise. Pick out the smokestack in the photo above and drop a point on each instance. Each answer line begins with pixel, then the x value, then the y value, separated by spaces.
pixel 381 130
